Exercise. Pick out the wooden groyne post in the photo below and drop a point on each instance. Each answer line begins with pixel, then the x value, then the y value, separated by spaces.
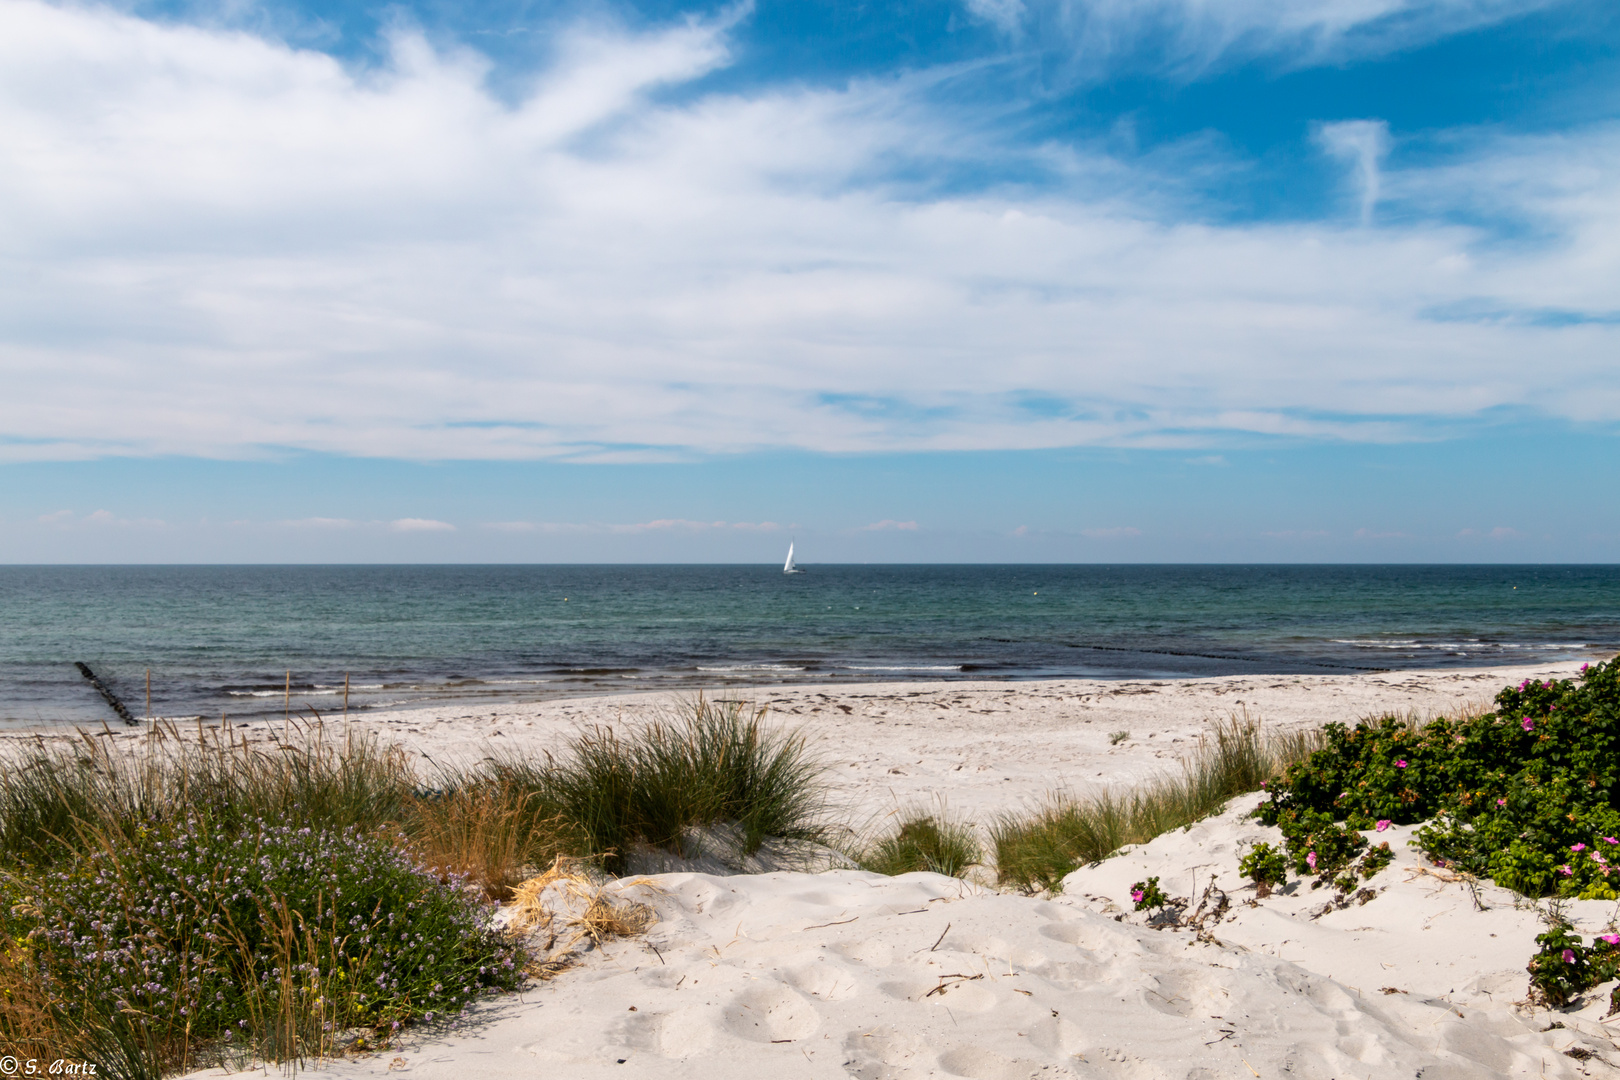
pixel 112 698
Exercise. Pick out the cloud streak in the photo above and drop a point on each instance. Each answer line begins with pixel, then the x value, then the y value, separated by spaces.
pixel 1190 37
pixel 217 245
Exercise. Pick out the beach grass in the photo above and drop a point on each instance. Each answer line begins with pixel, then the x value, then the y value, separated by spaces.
pixel 1035 849
pixel 714 762
pixel 935 842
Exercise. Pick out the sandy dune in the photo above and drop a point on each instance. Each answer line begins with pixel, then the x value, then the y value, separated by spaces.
pixel 847 974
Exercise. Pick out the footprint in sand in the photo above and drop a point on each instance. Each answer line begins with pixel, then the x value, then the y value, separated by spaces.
pixel 870 951
pixel 770 1013
pixel 982 1064
pixel 676 1034
pixel 827 980
pixel 885 1053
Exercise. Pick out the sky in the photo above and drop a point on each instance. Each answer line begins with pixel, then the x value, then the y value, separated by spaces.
pixel 951 280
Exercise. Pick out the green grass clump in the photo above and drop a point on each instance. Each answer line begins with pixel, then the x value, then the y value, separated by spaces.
pixel 934 843
pixel 1036 851
pixel 1527 795
pixel 718 762
pixel 52 791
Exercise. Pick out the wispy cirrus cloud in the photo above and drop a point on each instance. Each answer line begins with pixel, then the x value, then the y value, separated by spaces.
pixel 1189 37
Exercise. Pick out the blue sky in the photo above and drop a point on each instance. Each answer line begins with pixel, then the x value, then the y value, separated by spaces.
pixel 1114 280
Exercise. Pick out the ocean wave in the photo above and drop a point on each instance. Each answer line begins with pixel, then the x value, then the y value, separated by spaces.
pixel 905 667
pixel 1454 646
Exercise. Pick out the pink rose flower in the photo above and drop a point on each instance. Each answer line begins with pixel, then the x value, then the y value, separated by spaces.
pixel 1310 860
pixel 1610 840
pixel 1566 871
pixel 1401 764
pixel 1136 895
pixel 1569 956
pixel 1501 802
pixel 1577 847
pixel 1528 724
pixel 1612 939
pixel 1382 825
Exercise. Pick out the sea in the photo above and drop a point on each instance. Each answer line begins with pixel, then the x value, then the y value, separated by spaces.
pixel 259 641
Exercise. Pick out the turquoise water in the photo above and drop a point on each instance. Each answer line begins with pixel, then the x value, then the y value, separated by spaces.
pixel 221 639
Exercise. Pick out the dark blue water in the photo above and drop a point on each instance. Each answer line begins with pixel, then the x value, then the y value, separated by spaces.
pixel 221 639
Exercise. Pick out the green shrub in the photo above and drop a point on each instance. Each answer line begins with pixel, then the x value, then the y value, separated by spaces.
pixel 268 940
pixel 924 842
pixel 1317 843
pixel 1148 896
pixel 1527 795
pixel 1375 860
pixel 1564 967
pixel 1266 866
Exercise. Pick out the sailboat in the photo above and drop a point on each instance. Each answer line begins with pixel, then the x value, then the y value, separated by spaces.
pixel 788 567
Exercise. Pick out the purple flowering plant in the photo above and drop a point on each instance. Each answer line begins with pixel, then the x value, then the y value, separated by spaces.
pixel 202 932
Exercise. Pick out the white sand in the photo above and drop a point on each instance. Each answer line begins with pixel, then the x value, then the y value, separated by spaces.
pixel 984 747
pixel 848 974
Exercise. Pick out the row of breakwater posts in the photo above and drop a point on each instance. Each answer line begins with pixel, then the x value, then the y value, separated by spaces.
pixel 124 714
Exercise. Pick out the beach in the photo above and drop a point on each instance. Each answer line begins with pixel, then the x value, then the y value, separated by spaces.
pixel 983 747
pixel 850 974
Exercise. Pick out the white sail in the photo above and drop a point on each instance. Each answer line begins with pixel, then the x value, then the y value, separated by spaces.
pixel 788 567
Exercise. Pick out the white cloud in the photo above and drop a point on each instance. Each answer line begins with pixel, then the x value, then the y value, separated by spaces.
pixel 217 245
pixel 1363 143
pixel 1006 15
pixel 421 525
pixel 1191 36
pixel 890 525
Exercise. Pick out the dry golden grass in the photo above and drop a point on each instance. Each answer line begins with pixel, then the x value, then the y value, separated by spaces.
pixel 494 834
pixel 569 905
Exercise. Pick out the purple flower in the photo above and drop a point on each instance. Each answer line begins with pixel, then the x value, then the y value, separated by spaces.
pixel 1612 939
pixel 1569 956
pixel 1566 871
pixel 1136 895
pixel 1528 724
pixel 1310 860
pixel 1501 802
pixel 1382 824
pixel 1577 847
pixel 1401 764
